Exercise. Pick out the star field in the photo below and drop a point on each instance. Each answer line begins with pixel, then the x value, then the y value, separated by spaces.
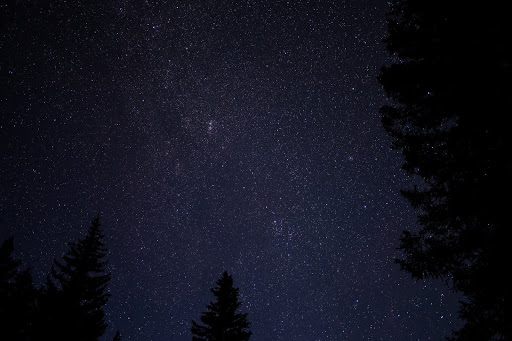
pixel 212 136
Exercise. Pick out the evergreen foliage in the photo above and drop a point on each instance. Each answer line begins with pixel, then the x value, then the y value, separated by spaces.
pixel 221 322
pixel 450 88
pixel 74 306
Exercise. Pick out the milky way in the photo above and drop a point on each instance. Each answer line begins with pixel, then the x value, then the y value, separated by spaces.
pixel 212 136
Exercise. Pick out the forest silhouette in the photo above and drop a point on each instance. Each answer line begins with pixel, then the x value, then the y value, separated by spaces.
pixel 69 306
pixel 450 97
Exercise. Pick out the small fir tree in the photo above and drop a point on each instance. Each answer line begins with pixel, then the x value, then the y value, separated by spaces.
pixel 221 322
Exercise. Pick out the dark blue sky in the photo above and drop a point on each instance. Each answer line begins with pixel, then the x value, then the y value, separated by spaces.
pixel 214 135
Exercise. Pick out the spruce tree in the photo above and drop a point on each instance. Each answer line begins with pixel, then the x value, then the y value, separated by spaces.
pixel 74 307
pixel 450 89
pixel 221 322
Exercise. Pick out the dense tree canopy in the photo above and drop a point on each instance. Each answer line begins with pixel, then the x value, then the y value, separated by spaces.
pixel 450 90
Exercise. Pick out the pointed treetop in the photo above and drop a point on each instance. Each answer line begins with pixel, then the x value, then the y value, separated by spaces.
pixel 221 321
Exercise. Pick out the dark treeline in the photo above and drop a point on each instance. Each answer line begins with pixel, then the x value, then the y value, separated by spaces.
pixel 69 306
pixel 451 98
pixel 450 94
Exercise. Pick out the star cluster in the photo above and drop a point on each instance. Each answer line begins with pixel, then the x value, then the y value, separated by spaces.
pixel 214 135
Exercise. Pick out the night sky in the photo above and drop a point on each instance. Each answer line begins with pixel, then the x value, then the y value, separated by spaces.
pixel 214 135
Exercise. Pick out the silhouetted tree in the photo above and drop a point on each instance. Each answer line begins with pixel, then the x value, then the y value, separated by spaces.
pixel 73 309
pixel 451 89
pixel 221 321
pixel 17 296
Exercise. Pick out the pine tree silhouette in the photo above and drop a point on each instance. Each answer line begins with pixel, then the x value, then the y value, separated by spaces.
pixel 73 309
pixel 221 321
pixel 450 89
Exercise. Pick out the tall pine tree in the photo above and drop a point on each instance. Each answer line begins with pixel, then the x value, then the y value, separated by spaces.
pixel 221 322
pixel 450 87
pixel 73 308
